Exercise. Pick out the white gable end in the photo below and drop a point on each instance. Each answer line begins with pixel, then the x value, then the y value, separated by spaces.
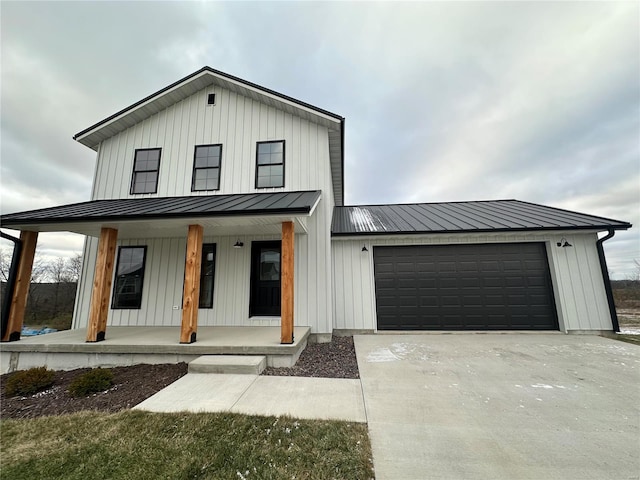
pixel 236 122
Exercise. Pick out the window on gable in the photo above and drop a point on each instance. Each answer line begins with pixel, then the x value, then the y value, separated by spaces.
pixel 127 288
pixel 270 164
pixel 146 165
pixel 206 168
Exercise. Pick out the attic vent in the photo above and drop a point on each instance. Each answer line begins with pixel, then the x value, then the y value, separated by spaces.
pixel 211 99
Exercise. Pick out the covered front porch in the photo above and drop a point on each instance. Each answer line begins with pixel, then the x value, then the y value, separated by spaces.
pixel 182 222
pixel 125 346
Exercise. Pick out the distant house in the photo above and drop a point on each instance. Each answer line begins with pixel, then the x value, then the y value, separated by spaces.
pixel 218 202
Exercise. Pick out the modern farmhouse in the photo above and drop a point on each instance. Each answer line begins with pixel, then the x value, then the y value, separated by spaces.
pixel 218 202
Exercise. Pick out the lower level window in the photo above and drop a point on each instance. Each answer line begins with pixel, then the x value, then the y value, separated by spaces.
pixel 127 288
pixel 207 274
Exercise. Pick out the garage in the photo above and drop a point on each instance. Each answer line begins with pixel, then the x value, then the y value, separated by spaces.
pixel 498 286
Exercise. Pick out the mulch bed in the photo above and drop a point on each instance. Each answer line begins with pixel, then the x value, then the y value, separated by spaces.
pixel 336 359
pixel 131 386
pixel 136 383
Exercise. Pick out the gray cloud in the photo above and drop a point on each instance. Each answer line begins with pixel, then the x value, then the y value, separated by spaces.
pixel 444 101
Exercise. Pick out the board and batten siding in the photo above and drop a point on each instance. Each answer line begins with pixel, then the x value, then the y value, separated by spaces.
pixel 578 288
pixel 236 122
pixel 164 277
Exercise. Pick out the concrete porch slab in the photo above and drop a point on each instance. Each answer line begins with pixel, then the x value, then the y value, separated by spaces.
pixel 130 345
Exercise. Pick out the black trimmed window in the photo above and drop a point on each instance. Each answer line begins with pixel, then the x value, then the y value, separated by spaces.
pixel 207 275
pixel 206 167
pixel 127 288
pixel 270 164
pixel 146 165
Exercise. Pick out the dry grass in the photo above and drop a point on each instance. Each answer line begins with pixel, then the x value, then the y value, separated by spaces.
pixel 142 445
pixel 635 339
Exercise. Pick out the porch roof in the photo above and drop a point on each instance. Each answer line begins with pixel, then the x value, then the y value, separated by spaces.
pixel 166 216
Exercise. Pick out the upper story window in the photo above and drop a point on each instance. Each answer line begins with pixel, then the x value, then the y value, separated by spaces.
pixel 146 165
pixel 206 168
pixel 270 164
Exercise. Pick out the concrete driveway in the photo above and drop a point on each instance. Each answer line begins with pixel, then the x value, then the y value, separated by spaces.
pixel 501 406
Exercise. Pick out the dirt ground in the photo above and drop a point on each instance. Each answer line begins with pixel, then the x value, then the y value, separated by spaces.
pixel 134 384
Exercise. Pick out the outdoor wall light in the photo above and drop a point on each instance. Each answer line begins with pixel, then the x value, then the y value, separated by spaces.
pixel 364 248
pixel 563 243
pixel 238 244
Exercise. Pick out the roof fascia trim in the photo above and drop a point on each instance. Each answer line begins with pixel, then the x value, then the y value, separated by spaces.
pixel 209 71
pixel 593 228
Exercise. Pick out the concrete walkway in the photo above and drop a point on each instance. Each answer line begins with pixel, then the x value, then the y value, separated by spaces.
pixel 472 406
pixel 501 406
pixel 300 397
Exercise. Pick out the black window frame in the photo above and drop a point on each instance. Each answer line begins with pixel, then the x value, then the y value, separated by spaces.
pixel 134 171
pixel 209 303
pixel 193 172
pixel 114 295
pixel 270 164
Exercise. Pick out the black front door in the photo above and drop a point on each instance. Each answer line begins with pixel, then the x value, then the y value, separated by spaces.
pixel 265 279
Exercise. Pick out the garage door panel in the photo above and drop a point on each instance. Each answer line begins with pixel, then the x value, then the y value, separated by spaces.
pixel 457 287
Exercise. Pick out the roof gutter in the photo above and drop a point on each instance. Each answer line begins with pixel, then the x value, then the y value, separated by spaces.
pixel 11 285
pixel 607 280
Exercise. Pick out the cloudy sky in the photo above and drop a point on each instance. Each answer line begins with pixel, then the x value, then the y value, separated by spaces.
pixel 443 101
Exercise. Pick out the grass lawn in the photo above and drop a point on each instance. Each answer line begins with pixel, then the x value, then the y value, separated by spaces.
pixel 143 445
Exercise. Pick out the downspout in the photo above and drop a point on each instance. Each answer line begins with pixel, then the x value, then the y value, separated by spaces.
pixel 606 280
pixel 11 281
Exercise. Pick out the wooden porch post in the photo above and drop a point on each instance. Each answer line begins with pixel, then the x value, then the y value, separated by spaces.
pixel 21 291
pixel 287 277
pixel 102 278
pixel 191 297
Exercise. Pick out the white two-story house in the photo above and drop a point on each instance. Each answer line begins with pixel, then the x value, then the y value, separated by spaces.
pixel 218 202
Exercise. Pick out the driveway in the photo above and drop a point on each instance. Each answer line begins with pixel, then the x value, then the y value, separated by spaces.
pixel 501 406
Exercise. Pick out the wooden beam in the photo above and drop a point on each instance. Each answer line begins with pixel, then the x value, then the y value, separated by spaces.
pixel 286 287
pixel 102 278
pixel 191 297
pixel 21 291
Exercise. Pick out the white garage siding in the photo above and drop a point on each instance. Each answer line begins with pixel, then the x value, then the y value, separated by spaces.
pixel 580 297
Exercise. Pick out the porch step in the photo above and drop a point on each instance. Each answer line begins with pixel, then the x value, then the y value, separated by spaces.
pixel 244 364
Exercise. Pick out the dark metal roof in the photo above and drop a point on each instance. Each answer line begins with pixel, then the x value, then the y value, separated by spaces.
pixel 170 207
pixel 457 217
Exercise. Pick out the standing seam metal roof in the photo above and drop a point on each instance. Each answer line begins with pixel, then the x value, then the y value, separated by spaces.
pixel 452 217
pixel 170 207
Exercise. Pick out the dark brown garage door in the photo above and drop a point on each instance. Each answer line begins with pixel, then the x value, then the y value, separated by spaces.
pixel 464 287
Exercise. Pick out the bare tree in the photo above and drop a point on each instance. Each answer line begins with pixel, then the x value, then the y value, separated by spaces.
pixel 52 288
pixel 74 268
pixel 5 263
pixel 635 275
pixel 37 299
pixel 57 273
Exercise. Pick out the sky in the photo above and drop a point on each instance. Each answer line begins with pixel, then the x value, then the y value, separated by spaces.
pixel 444 101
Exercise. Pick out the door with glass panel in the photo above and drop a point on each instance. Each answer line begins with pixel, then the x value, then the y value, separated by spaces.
pixel 265 279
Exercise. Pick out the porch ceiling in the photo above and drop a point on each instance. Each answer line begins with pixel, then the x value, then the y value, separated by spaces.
pixel 153 217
